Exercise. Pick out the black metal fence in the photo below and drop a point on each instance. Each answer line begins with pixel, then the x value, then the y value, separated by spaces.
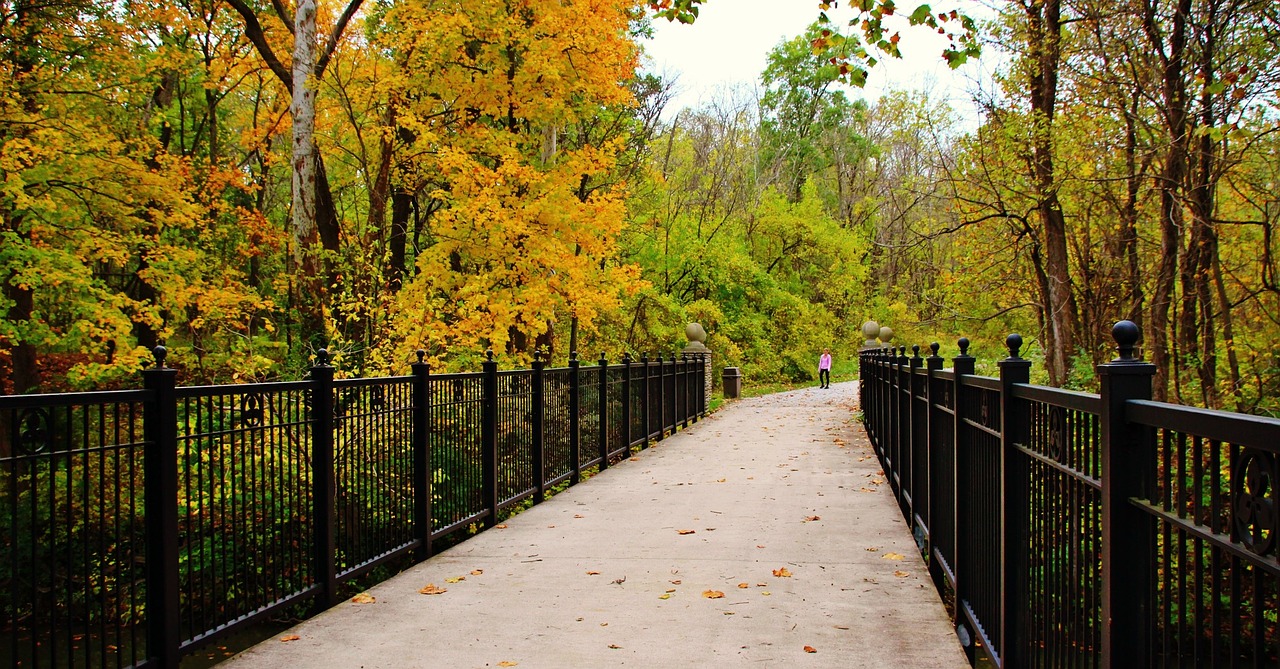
pixel 1078 530
pixel 139 525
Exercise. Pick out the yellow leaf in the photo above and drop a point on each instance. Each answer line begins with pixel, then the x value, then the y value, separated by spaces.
pixel 431 589
pixel 507 663
pixel 455 579
pixel 665 595
pixel 901 574
pixel 744 586
pixel 593 573
pixel 891 556
pixel 782 573
pixel 712 594
pixel 363 598
pixel 291 637
pixel 684 531
pixel 477 572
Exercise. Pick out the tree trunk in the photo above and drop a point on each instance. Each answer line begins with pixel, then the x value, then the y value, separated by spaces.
pixel 1174 93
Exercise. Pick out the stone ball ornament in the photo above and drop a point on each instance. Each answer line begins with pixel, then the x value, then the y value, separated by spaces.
pixel 886 334
pixel 695 332
pixel 870 330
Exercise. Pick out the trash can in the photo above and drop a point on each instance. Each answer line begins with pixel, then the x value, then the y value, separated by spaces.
pixel 732 382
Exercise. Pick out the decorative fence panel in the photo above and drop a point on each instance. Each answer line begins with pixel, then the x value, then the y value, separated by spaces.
pixel 1073 529
pixel 139 525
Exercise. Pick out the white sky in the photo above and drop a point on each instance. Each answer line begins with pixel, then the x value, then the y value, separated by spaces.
pixel 727 47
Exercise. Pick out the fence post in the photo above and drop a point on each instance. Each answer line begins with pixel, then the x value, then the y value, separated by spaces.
pixel 932 364
pixel 1014 431
pixel 662 399
pixel 644 402
pixel 626 399
pixel 324 486
pixel 604 412
pixel 962 365
pixel 1128 539
pixel 682 382
pixel 575 418
pixel 489 440
pixel 160 427
pixel 539 429
pixel 421 456
pixel 910 486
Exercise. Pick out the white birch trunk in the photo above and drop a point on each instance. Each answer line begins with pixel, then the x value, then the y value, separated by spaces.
pixel 304 120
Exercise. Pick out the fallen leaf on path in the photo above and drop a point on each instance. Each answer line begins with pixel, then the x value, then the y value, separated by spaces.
pixel 810 649
pixel 507 663
pixel 593 573
pixel 720 480
pixel 614 646
pixel 684 531
pixel 782 573
pixel 291 637
pixel 431 589
pixel 744 586
pixel 363 598
pixel 901 574
pixel 477 572
pixel 671 590
pixel 873 548
pixel 675 582
pixel 761 585
pixel 759 546
pixel 766 593
pixel 501 526
pixel 810 519
pixel 712 594
pixel 578 515
pixel 891 556
pixel 634 459
pixel 665 595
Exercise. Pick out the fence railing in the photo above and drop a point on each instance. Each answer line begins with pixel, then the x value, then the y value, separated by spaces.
pixel 1072 529
pixel 139 525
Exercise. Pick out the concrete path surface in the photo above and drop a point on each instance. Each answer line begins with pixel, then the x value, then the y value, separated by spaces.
pixel 776 502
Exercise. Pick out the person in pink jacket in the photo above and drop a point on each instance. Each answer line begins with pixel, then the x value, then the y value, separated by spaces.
pixel 824 369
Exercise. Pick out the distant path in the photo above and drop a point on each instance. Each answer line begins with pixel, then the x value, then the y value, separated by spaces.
pixel 600 575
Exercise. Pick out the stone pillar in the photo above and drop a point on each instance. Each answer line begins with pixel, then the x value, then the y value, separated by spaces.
pixel 698 347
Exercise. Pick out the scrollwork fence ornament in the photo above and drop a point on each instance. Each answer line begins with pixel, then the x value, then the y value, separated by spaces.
pixel 1253 500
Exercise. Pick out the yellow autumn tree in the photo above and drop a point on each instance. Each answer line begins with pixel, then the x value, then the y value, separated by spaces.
pixel 492 95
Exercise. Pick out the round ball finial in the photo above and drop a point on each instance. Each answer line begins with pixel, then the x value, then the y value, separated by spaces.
pixel 964 345
pixel 886 334
pixel 488 354
pixel 422 355
pixel 573 355
pixel 870 330
pixel 934 348
pixel 322 357
pixel 1126 334
pixel 915 350
pixel 160 354
pixel 1014 343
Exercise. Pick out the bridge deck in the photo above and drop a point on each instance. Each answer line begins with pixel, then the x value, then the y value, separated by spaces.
pixel 602 575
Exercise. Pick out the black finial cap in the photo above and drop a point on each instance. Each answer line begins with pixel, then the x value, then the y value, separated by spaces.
pixel 964 345
pixel 422 356
pixel 160 354
pixel 322 357
pixel 573 355
pixel 1126 334
pixel 934 348
pixel 1014 344
pixel 915 350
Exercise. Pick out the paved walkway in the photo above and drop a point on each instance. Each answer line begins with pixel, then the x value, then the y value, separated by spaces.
pixel 777 502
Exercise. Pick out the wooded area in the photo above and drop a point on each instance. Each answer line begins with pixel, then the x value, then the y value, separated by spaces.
pixel 246 182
